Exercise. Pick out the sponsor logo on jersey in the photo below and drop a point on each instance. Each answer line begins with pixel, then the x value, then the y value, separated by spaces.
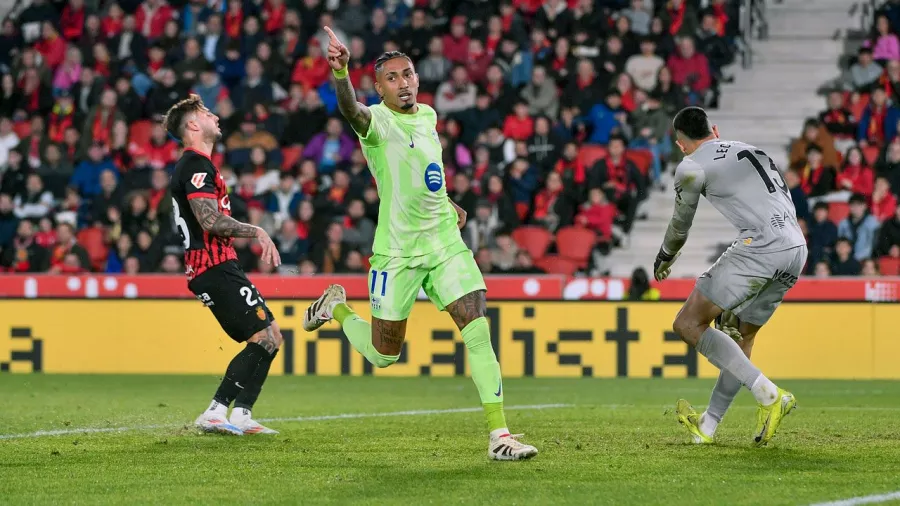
pixel 434 177
pixel 376 303
pixel 198 179
pixel 206 300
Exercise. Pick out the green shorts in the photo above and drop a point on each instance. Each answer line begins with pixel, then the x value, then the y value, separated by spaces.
pixel 445 275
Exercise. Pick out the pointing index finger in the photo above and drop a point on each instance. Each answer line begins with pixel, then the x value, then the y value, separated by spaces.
pixel 330 34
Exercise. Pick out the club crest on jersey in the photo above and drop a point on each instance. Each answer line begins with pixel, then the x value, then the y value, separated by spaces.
pixel 434 178
pixel 198 179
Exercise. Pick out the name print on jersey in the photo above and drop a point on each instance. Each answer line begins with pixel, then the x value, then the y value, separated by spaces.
pixel 434 178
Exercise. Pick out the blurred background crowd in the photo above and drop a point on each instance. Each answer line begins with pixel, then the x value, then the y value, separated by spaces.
pixel 554 116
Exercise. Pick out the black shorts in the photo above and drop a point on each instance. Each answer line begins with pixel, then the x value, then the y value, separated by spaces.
pixel 233 300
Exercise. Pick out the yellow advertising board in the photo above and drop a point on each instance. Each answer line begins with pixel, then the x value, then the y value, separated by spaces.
pixel 541 339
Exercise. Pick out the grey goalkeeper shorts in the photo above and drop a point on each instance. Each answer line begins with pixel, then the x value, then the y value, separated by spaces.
pixel 752 285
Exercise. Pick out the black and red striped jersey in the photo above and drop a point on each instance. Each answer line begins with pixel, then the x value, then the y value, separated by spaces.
pixel 196 177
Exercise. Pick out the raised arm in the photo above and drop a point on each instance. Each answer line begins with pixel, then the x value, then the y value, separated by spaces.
pixel 356 113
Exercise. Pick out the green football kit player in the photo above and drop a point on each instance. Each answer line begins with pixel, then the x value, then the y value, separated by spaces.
pixel 417 241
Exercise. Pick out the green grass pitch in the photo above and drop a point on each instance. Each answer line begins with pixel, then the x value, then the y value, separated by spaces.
pixel 612 442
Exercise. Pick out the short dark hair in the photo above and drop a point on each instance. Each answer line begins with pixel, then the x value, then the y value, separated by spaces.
pixel 693 123
pixel 388 56
pixel 820 205
pixel 174 118
pixel 858 198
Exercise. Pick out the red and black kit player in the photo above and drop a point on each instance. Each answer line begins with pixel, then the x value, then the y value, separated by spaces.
pixel 202 215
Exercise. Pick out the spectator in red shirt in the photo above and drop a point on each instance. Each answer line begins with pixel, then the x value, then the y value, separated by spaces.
pixel 477 61
pixel 111 24
pixel 311 71
pixel 597 214
pixel 884 203
pixel 690 69
pixel 151 18
pixel 72 20
pixel 571 168
pixel 855 176
pixel 51 46
pixel 273 15
pixel 519 125
pixel 456 43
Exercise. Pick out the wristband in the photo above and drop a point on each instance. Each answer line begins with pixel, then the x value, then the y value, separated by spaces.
pixel 340 74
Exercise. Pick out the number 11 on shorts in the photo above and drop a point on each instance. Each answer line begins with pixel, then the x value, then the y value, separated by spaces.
pixel 375 279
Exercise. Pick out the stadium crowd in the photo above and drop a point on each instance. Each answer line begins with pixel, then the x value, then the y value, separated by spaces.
pixel 845 166
pixel 554 116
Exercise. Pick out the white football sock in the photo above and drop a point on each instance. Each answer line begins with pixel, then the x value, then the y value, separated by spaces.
pixel 708 424
pixel 764 390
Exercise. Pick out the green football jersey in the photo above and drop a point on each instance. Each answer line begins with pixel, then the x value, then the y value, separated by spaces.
pixel 415 216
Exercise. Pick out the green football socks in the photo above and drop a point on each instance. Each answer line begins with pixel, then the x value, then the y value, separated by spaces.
pixel 485 372
pixel 359 333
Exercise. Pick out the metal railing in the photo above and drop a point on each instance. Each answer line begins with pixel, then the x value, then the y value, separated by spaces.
pixel 753 26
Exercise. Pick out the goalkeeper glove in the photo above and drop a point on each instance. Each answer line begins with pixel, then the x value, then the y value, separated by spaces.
pixel 662 267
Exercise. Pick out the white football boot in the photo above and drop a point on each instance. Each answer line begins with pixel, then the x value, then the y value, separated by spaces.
pixel 507 447
pixel 216 421
pixel 241 419
pixel 319 312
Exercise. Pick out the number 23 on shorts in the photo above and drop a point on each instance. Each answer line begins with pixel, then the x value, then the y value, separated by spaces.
pixel 376 277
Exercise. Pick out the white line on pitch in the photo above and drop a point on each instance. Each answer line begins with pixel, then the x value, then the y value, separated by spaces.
pixel 341 416
pixel 866 499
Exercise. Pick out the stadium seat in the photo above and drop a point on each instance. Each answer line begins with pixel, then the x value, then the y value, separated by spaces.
pixel 217 158
pixel 641 158
pixel 553 264
pixel 22 129
pixel 93 240
pixel 870 154
pixel 837 211
pixel 889 266
pixel 590 153
pixel 532 239
pixel 576 243
pixel 140 132
pixel 291 155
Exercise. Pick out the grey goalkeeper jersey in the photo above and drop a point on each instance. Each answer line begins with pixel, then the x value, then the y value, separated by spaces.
pixel 743 184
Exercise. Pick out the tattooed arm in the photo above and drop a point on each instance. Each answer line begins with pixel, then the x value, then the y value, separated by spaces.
pixel 216 223
pixel 357 114
pixel 207 213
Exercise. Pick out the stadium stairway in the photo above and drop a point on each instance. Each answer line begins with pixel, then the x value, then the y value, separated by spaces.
pixel 765 106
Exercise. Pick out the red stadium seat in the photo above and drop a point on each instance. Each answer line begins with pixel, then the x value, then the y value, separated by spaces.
pixel 889 266
pixel 93 240
pixel 641 158
pixel 870 154
pixel 837 211
pixel 589 154
pixel 532 239
pixel 22 129
pixel 576 244
pixel 291 155
pixel 553 264
pixel 140 132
